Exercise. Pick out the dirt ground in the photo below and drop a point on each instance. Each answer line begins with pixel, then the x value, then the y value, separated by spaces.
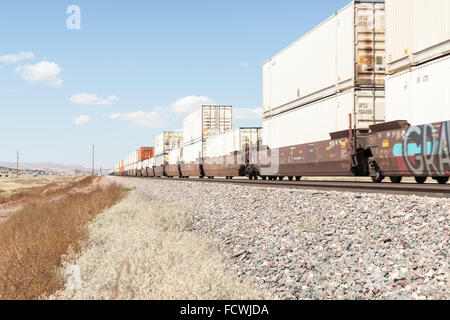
pixel 42 189
pixel 13 184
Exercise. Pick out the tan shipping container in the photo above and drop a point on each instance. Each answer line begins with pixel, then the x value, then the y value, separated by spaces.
pixel 416 31
pixel 346 51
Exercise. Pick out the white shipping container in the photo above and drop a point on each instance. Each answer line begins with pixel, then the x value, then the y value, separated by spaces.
pixel 227 143
pixel 175 156
pixel 416 31
pixel 207 121
pixel 317 120
pixel 160 160
pixel 167 141
pixel 193 152
pixel 420 95
pixel 345 51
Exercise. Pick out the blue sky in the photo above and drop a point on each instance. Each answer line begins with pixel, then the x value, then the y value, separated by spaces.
pixel 133 69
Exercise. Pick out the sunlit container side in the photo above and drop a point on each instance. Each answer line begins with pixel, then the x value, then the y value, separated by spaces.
pixel 416 32
pixel 420 95
pixel 228 154
pixel 159 166
pixel 173 163
pixel 150 169
pixel 144 168
pixel 145 153
pixel 139 169
pixel 207 121
pixel 317 120
pixel 343 52
pixel 192 155
pixel 167 141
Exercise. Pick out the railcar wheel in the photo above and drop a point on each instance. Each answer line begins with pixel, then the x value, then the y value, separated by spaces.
pixel 281 178
pixel 290 178
pixel 378 178
pixel 396 179
pixel 442 180
pixel 264 177
pixel 420 180
pixel 298 178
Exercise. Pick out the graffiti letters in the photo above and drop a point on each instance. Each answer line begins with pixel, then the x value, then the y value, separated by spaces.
pixel 426 149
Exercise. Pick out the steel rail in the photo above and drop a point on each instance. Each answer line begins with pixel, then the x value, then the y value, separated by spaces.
pixel 433 190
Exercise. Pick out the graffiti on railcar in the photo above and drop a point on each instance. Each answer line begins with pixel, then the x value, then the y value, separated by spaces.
pixel 426 149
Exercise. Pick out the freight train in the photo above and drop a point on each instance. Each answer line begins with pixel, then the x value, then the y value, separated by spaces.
pixel 355 96
pixel 392 149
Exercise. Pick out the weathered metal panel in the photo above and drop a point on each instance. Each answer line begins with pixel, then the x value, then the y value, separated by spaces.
pixel 420 95
pixel 422 151
pixel 315 122
pixel 416 31
pixel 172 170
pixel 231 165
pixel 159 171
pixel 193 169
pixel 321 158
pixel 345 51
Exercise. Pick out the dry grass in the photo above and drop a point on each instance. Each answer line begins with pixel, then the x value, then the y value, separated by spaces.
pixel 34 239
pixel 44 192
pixel 13 184
pixel 137 250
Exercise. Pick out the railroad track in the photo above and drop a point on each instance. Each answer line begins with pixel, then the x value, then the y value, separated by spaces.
pixel 433 190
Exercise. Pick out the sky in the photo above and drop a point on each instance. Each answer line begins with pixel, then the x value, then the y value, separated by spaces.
pixel 131 69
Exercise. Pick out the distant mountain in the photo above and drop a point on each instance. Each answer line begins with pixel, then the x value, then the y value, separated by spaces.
pixel 45 166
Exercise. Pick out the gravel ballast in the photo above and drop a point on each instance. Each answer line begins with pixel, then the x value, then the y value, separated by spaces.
pixel 306 244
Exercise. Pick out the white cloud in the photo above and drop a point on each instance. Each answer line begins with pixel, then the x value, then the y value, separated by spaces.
pixel 152 119
pixel 162 117
pixel 14 58
pixel 87 98
pixel 247 113
pixel 244 64
pixel 42 72
pixel 82 120
pixel 187 105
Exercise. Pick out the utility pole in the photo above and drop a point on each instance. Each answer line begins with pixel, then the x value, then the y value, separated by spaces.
pixel 17 164
pixel 93 154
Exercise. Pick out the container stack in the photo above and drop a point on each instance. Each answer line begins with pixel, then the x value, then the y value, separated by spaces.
pixel 336 69
pixel 418 61
pixel 166 142
pixel 237 141
pixel 205 122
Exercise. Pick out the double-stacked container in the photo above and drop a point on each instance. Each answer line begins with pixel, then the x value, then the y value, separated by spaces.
pixel 173 163
pixel 228 154
pixel 418 61
pixel 336 69
pixel 164 143
pixel 205 122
